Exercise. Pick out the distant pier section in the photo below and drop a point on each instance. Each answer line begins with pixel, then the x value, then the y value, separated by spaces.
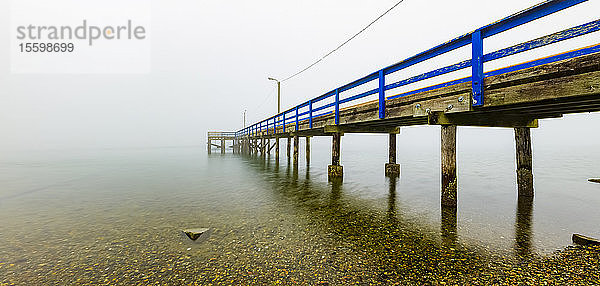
pixel 221 138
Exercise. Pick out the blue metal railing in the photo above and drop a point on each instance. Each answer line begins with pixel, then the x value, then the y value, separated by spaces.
pixel 294 116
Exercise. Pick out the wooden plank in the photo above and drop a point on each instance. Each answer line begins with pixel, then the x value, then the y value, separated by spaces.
pixel 360 129
pixel 452 104
pixel 568 86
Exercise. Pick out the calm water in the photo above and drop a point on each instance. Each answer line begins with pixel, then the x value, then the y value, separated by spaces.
pixel 115 215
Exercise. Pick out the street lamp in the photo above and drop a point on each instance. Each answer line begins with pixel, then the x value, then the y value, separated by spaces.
pixel 245 118
pixel 278 94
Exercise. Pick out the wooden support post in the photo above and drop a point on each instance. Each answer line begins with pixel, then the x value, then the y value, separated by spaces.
pixel 277 149
pixel 307 150
pixel 448 156
pixel 524 161
pixel 269 146
pixel 296 143
pixel 209 145
pixel 222 146
pixel 263 141
pixel 289 146
pixel 391 168
pixel 335 171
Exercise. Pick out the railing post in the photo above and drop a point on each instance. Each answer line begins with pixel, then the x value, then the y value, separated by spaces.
pixel 381 95
pixel 477 68
pixel 296 119
pixel 337 106
pixel 310 114
pixel 284 122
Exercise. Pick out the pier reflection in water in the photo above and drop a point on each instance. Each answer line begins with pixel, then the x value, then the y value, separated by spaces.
pixel 270 222
pixel 523 227
pixel 387 242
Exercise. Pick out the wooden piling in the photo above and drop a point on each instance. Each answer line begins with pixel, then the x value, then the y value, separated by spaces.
pixel 524 161
pixel 222 146
pixel 289 146
pixel 209 146
pixel 277 149
pixel 335 171
pixel 268 146
pixel 296 143
pixel 307 150
pixel 391 168
pixel 448 156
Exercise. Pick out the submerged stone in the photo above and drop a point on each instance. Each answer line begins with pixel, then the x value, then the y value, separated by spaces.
pixel 585 240
pixel 195 233
pixel 594 180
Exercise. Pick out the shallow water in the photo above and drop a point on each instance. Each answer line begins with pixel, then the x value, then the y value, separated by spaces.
pixel 115 215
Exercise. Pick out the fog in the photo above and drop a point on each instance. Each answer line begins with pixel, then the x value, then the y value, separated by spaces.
pixel 210 61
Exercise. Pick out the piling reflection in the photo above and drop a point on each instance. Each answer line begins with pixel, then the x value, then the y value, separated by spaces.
pixel 396 249
pixel 448 227
pixel 392 245
pixel 523 226
pixel 391 211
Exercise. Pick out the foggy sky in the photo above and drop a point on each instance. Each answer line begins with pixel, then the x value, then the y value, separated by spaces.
pixel 210 61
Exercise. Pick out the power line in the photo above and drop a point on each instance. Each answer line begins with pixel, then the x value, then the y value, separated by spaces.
pixel 344 43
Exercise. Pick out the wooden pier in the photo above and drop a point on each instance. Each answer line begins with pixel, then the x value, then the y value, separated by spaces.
pixel 222 138
pixel 516 100
pixel 513 97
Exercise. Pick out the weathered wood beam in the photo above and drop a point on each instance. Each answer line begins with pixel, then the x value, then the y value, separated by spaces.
pixel 484 120
pixel 360 129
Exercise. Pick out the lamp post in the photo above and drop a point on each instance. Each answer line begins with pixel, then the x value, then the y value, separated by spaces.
pixel 278 94
pixel 245 118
